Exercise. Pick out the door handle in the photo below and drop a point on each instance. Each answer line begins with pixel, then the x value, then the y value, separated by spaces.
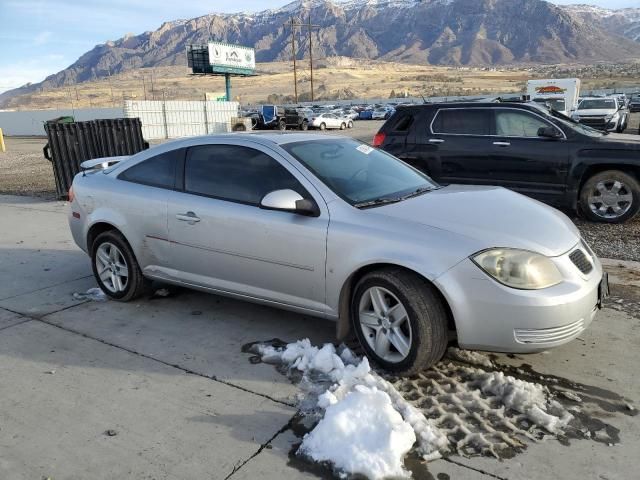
pixel 502 144
pixel 188 217
pixel 436 140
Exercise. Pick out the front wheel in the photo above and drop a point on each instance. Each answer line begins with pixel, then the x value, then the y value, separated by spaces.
pixel 400 320
pixel 115 267
pixel 350 124
pixel 304 125
pixel 611 196
pixel 282 126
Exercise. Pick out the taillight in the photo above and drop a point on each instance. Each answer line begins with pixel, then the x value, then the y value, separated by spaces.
pixel 71 195
pixel 378 139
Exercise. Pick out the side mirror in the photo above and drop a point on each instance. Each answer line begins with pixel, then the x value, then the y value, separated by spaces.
pixel 549 132
pixel 288 200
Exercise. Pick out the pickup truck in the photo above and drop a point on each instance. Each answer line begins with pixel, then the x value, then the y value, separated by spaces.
pixel 524 147
pixel 603 113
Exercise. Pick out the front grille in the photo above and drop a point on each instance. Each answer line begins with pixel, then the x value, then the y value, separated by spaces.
pixel 595 122
pixel 581 261
pixel 549 335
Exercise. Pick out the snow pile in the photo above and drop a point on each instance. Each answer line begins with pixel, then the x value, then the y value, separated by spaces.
pixel 470 357
pixel 370 425
pixel 362 434
pixel 95 294
pixel 531 399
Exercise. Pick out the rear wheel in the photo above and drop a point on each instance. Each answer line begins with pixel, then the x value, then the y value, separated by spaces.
pixel 304 125
pixel 399 320
pixel 115 267
pixel 323 126
pixel 282 126
pixel 343 126
pixel 350 124
pixel 611 196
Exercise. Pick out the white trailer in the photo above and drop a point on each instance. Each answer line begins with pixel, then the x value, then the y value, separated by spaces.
pixel 560 93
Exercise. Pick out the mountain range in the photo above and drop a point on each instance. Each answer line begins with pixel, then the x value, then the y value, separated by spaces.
pixel 438 32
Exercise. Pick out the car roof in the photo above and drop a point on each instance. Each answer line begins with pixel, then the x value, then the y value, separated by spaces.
pixel 522 105
pixel 266 138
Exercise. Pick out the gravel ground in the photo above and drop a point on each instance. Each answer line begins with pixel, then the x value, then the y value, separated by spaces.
pixel 24 171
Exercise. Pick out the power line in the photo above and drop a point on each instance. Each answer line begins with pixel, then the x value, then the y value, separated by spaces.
pixel 310 27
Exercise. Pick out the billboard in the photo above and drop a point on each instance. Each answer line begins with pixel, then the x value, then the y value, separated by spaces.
pixel 226 58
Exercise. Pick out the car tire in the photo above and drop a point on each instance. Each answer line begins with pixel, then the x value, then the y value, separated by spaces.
pixel 343 126
pixel 621 189
pixel 304 125
pixel 119 259
pixel 350 124
pixel 323 126
pixel 282 125
pixel 423 332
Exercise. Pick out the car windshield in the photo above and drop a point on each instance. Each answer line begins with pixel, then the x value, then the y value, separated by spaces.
pixel 597 103
pixel 575 126
pixel 361 175
pixel 555 103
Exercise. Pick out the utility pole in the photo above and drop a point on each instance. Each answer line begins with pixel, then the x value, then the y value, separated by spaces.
pixel 310 28
pixel 293 51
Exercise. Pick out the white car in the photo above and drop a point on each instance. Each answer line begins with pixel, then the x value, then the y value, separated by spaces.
pixel 329 120
pixel 381 114
pixel 607 114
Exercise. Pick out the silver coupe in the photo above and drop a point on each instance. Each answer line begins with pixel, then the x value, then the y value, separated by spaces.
pixel 331 227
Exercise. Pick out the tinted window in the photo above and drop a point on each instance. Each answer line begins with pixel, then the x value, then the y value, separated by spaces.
pixel 511 123
pixel 158 171
pixel 467 121
pixel 403 123
pixel 235 173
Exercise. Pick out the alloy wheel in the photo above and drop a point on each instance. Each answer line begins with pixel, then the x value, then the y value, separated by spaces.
pixel 610 199
pixel 112 267
pixel 385 324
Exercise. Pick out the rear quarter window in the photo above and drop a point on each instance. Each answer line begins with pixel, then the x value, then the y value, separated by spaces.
pixel 462 121
pixel 158 171
pixel 402 123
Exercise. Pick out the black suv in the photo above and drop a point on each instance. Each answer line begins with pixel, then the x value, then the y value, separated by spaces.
pixel 524 147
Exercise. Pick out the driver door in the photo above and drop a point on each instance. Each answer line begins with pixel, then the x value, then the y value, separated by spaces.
pixel 221 238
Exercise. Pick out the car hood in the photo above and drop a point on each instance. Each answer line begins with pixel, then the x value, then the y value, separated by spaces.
pixel 492 216
pixel 596 111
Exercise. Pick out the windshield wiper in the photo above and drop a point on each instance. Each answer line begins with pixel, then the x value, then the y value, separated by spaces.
pixel 378 201
pixel 386 200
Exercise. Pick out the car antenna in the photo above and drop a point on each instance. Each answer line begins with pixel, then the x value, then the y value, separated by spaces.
pixel 423 99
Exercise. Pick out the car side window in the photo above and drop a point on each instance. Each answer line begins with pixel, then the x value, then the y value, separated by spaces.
pixel 158 171
pixel 236 173
pixel 512 123
pixel 468 121
pixel 403 124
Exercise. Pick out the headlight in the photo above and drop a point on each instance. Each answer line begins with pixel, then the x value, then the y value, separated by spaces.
pixel 519 268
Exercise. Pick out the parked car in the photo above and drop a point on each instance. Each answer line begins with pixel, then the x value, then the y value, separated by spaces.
pixel 381 113
pixel 404 263
pixel 350 113
pixel 634 103
pixel 604 113
pixel 524 147
pixel 365 114
pixel 270 117
pixel 324 121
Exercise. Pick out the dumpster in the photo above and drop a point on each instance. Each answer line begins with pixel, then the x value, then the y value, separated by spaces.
pixel 71 143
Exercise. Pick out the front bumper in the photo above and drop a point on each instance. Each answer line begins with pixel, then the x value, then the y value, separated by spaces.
pixel 494 317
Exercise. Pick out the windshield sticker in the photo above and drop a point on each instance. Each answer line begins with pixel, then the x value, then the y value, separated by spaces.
pixel 366 149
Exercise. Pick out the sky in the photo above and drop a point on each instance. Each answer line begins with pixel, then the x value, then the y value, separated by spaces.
pixel 41 37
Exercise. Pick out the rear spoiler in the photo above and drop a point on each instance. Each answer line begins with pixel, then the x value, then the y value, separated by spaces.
pixel 101 163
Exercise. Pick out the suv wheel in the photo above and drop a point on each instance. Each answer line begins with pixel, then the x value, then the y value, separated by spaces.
pixel 282 125
pixel 399 320
pixel 611 196
pixel 304 125
pixel 115 267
